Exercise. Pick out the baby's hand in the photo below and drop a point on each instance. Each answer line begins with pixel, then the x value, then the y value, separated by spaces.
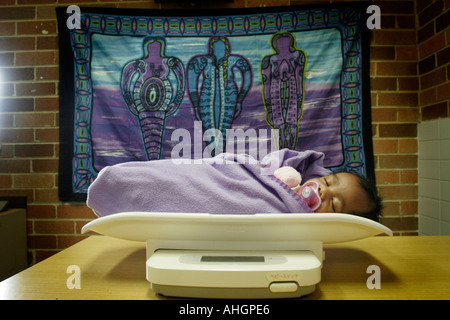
pixel 289 175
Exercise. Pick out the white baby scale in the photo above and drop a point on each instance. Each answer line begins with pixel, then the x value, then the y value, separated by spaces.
pixel 235 256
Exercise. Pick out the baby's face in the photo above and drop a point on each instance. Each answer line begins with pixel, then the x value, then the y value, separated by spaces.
pixel 341 193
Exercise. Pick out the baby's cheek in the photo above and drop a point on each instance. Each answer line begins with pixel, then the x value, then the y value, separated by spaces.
pixel 320 209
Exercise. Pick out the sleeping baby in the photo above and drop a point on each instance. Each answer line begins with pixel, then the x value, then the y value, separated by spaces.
pixel 339 193
pixel 233 184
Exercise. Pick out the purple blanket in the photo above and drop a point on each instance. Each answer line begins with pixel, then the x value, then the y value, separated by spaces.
pixel 225 184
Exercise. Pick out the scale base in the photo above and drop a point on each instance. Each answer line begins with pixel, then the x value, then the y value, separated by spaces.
pixel 229 293
pixel 234 274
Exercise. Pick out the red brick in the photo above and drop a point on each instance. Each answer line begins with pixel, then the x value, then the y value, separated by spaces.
pixel 407 146
pixel 17 74
pixel 427 97
pixel 28 193
pixel 7 89
pixel 372 69
pixel 229 4
pixel 425 32
pixel 408 84
pixel 7 120
pixel 35 119
pixel 382 53
pixel 382 37
pixel 34 150
pixel 431 12
pixel 397 99
pixel 35 89
pixel 442 22
pixel 7 28
pixel 35 211
pixel 435 111
pixel 33 181
pixel 387 177
pixel 14 166
pixel 6 59
pixel 75 212
pixel 443 56
pixel 391 208
pixel 383 84
pixel 7 151
pixel 443 92
pixel 47 195
pixel 47 135
pixel 47 165
pixel 16 135
pixel 385 146
pixel 431 45
pixel 16 104
pixel 406 22
pixel 373 100
pixel 35 58
pixel 46 104
pixel 409 207
pixel 46 12
pixel 17 13
pixel 54 227
pixel 384 115
pixel 5 181
pixel 433 78
pixel 47 73
pixel 406 52
pixel 422 4
pixel 13 44
pixel 396 68
pixel 399 192
pixel 398 130
pixel 398 161
pixel 401 223
pixel 47 43
pixel 395 7
pixel 36 1
pixel 41 242
pixel 409 176
pixel 8 2
pixel 388 22
pixel 36 27
pixel 408 115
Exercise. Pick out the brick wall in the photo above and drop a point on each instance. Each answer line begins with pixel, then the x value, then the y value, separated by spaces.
pixel 433 38
pixel 395 113
pixel 409 70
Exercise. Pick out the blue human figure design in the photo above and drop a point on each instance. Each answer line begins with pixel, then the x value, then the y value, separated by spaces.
pixel 283 82
pixel 151 94
pixel 218 82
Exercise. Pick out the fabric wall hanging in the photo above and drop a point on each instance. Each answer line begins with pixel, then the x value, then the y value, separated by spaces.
pixel 142 85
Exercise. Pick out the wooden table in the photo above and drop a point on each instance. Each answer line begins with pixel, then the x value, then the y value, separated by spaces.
pixel 109 268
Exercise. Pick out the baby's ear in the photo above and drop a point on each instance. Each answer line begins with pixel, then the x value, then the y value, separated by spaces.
pixel 288 175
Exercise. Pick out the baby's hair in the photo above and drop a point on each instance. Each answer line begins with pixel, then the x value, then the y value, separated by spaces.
pixel 375 201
